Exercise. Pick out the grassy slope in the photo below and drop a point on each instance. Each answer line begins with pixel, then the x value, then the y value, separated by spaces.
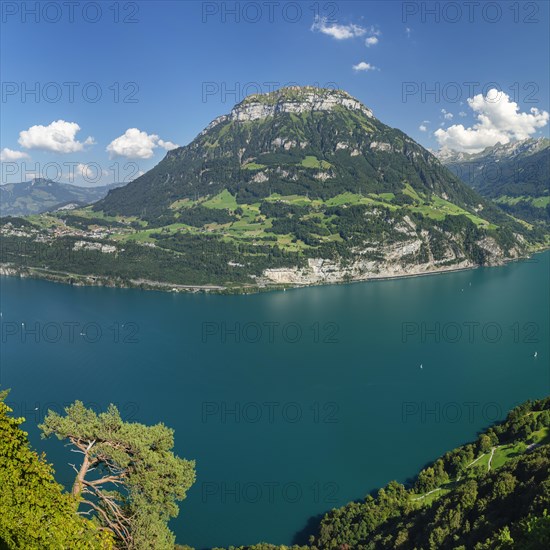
pixel 252 225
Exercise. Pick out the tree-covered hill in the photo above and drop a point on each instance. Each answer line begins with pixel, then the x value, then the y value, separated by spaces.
pixel 296 141
pixel 41 195
pixel 295 187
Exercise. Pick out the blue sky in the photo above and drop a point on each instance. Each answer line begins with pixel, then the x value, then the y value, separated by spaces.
pixel 166 69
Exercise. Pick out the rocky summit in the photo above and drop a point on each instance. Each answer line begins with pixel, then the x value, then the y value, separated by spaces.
pixel 292 100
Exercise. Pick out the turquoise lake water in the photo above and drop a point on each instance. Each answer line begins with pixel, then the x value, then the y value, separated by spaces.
pixel 291 403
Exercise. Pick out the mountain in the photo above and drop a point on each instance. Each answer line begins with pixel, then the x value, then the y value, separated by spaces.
pixel 41 195
pixel 516 175
pixel 294 187
pixel 297 141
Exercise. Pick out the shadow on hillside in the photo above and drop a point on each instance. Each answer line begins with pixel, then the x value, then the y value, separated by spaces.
pixel 311 528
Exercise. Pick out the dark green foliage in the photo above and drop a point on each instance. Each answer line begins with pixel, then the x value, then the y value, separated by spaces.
pixel 35 512
pixel 503 508
pixel 265 546
pixel 85 223
pixel 524 210
pixel 279 209
pixel 15 221
pixel 199 216
pixel 129 478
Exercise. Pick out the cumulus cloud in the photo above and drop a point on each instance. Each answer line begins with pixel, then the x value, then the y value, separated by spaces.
pixel 9 155
pixel 371 41
pixel 91 172
pixel 498 120
pixel 168 145
pixel 364 66
pixel 462 114
pixel 339 32
pixel 423 128
pixel 446 115
pixel 135 144
pixel 84 171
pixel 58 137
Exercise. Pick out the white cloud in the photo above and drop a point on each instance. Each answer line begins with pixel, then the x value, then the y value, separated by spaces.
pixel 91 172
pixel 339 32
pixel 423 128
pixel 168 145
pixel 59 137
pixel 85 171
pixel 364 66
pixel 448 116
pixel 371 41
pixel 9 154
pixel 499 120
pixel 135 144
pixel 462 114
pixel 408 31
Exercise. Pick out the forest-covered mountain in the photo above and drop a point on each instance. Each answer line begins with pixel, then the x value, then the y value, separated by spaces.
pixel 41 195
pixel 309 142
pixel 299 186
pixel 516 175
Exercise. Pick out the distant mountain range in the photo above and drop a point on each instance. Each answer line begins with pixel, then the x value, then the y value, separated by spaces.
pixel 515 175
pixel 298 186
pixel 42 195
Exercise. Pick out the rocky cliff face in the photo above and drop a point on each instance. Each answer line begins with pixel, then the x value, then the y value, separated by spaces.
pixel 304 100
pixel 292 100
pixel 403 259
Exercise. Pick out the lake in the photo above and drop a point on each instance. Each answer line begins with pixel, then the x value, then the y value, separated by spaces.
pixel 291 403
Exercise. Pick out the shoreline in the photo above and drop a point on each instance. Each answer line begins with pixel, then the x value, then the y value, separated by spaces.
pixel 73 279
